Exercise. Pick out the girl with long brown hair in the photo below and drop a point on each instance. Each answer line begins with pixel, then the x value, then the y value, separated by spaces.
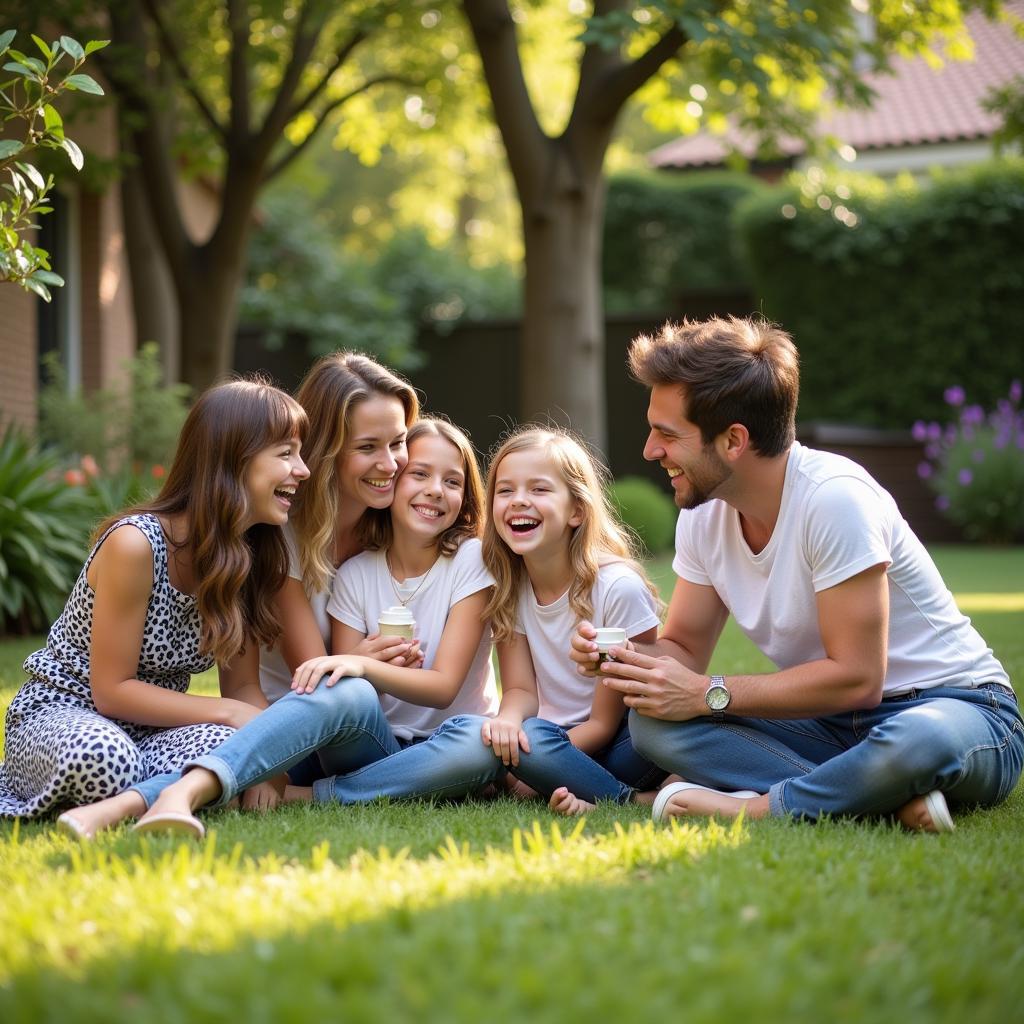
pixel 170 587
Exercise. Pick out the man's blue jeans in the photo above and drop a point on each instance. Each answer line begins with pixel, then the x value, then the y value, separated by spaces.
pixel 612 774
pixel 969 743
pixel 359 754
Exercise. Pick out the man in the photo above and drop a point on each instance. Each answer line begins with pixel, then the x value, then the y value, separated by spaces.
pixel 885 699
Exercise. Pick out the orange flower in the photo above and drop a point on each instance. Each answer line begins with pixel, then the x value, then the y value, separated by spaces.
pixel 89 466
pixel 74 477
pixel 158 472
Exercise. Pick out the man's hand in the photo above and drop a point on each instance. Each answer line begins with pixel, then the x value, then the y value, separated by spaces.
pixel 656 687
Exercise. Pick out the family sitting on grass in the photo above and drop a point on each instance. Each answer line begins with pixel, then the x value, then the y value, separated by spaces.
pixel 341 561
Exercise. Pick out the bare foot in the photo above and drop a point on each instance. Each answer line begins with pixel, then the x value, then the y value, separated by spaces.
pixel 564 802
pixel 519 790
pixel 85 821
pixel 928 813
pixel 194 789
pixel 707 803
pixel 646 797
pixel 297 794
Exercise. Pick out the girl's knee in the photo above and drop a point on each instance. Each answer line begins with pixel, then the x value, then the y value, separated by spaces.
pixel 348 698
pixel 540 730
pixel 99 760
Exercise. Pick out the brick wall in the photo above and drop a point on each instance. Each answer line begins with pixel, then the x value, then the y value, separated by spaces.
pixel 17 356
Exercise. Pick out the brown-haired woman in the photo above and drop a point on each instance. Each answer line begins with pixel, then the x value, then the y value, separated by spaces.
pixel 170 587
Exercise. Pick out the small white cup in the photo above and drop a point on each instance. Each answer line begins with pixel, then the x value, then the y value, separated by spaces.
pixel 607 638
pixel 397 621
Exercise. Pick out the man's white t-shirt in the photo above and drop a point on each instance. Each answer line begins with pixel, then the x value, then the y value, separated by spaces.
pixel 275 676
pixel 620 598
pixel 835 521
pixel 364 587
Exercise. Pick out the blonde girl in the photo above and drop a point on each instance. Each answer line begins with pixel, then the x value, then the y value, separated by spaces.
pixel 170 588
pixel 427 557
pixel 558 557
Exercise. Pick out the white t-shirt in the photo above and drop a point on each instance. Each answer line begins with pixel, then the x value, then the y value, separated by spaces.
pixel 620 598
pixel 275 676
pixel 364 587
pixel 835 521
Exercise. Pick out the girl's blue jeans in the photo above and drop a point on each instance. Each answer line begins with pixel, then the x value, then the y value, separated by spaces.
pixel 969 743
pixel 360 756
pixel 612 774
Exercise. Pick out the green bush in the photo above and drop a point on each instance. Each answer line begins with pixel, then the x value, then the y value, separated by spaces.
pixel 976 466
pixel 647 511
pixel 892 291
pixel 44 525
pixel 667 233
pixel 128 425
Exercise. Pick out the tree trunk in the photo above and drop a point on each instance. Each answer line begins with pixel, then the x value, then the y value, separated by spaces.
pixel 562 344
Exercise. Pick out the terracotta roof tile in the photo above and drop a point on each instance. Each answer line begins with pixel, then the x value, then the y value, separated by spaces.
pixel 916 105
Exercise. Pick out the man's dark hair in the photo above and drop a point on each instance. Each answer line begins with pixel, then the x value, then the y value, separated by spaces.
pixel 728 371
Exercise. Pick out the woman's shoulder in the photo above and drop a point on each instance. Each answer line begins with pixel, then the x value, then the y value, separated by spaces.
pixel 142 536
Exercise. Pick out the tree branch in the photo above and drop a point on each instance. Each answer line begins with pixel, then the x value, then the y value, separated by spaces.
pixel 494 32
pixel 289 156
pixel 238 82
pixel 339 58
pixel 170 48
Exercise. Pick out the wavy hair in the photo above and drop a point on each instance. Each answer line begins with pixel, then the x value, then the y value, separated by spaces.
pixel 330 391
pixel 598 540
pixel 238 570
pixel 377 532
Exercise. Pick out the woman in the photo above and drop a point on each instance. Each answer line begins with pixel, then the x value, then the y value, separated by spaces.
pixel 170 587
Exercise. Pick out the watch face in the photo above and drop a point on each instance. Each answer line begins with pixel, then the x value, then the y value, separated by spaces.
pixel 717 698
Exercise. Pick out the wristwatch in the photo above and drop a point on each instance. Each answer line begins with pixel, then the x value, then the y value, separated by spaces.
pixel 717 697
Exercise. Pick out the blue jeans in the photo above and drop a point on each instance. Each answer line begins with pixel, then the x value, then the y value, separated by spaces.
pixel 553 761
pixel 347 730
pixel 969 743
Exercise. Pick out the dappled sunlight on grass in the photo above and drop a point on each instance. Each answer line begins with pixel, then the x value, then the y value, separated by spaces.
pixel 971 604
pixel 183 896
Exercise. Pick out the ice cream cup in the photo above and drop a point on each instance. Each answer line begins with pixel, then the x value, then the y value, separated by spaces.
pixel 397 621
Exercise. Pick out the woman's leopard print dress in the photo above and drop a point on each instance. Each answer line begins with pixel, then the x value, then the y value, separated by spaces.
pixel 60 751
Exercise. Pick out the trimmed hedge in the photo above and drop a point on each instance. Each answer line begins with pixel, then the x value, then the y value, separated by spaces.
pixel 668 233
pixel 648 511
pixel 923 291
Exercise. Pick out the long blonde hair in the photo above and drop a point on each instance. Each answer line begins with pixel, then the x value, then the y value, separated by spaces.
pixel 332 388
pixel 238 572
pixel 377 532
pixel 597 541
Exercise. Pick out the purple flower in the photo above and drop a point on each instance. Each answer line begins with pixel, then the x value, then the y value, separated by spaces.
pixel 951 433
pixel 924 470
pixel 972 414
pixel 1015 391
pixel 978 455
pixel 965 476
pixel 954 395
pixel 931 451
pixel 934 432
pixel 1001 440
pixel 919 431
pixel 942 503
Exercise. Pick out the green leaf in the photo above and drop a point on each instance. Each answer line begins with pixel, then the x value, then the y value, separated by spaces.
pixel 73 152
pixel 53 121
pixel 85 83
pixel 95 44
pixel 39 288
pixel 48 277
pixel 5 39
pixel 33 175
pixel 47 52
pixel 8 147
pixel 20 69
pixel 72 47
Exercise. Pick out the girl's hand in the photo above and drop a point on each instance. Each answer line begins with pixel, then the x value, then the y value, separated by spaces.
pixel 505 738
pixel 308 675
pixel 264 796
pixel 583 650
pixel 392 649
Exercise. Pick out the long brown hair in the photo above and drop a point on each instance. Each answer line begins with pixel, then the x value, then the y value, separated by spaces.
pixel 238 570
pixel 598 540
pixel 332 388
pixel 377 532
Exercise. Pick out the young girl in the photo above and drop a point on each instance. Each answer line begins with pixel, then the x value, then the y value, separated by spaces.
pixel 558 557
pixel 359 414
pixel 169 588
pixel 427 559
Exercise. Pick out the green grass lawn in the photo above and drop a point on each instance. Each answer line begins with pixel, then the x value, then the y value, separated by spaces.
pixel 499 911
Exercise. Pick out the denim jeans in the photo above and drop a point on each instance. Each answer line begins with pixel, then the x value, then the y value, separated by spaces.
pixel 553 761
pixel 969 743
pixel 346 728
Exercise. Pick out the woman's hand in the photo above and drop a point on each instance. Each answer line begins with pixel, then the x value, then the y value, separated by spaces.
pixel 334 666
pixel 506 738
pixel 236 713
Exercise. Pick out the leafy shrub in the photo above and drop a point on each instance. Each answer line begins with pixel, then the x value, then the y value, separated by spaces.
pixel 666 233
pixel 892 290
pixel 43 532
pixel 646 510
pixel 136 422
pixel 976 466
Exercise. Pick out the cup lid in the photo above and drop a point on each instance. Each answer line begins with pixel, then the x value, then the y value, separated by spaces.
pixel 396 615
pixel 610 635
